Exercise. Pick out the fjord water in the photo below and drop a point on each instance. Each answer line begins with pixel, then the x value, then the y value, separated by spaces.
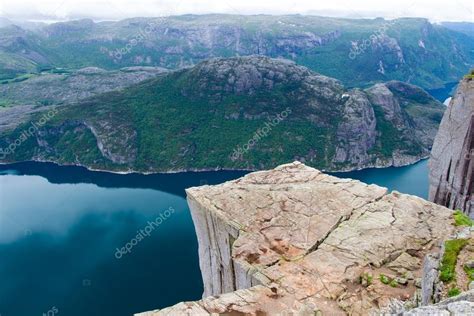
pixel 441 94
pixel 60 228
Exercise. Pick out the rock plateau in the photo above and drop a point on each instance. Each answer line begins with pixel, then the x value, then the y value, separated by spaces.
pixel 295 241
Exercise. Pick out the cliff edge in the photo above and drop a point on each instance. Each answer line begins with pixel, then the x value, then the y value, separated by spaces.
pixel 451 163
pixel 294 240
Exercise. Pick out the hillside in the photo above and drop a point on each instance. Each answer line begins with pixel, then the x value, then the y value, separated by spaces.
pixel 359 52
pixel 63 86
pixel 245 113
pixel 461 27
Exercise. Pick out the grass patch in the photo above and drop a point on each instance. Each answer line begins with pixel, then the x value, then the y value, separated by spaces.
pixel 454 292
pixel 388 281
pixel 470 76
pixel 461 219
pixel 366 279
pixel 17 79
pixel 450 257
pixel 384 279
pixel 4 103
pixel 469 272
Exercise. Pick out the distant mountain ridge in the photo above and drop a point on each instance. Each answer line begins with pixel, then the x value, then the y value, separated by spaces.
pixel 409 49
pixel 461 27
pixel 267 110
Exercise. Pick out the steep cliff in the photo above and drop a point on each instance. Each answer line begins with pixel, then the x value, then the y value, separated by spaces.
pixel 294 240
pixel 452 160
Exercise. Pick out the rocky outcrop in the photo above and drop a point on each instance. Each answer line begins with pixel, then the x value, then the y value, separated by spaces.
pixel 452 160
pixel 460 305
pixel 385 118
pixel 295 240
pixel 430 279
pixel 357 133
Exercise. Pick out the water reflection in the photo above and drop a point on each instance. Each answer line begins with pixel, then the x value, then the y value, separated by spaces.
pixel 60 228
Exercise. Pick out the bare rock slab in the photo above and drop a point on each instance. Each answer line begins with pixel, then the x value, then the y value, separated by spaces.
pixel 296 241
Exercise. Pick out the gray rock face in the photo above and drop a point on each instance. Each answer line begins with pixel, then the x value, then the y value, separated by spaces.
pixel 452 159
pixel 395 99
pixel 382 96
pixel 247 75
pixel 461 305
pixel 430 279
pixel 357 133
pixel 294 240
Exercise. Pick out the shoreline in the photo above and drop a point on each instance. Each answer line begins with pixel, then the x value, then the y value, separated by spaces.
pixel 130 172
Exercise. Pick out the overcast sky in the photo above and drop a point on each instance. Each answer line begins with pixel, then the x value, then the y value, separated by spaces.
pixel 435 10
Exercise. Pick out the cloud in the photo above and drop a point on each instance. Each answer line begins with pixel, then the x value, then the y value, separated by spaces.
pixel 436 10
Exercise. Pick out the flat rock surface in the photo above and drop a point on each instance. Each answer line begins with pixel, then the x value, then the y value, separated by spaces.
pixel 309 242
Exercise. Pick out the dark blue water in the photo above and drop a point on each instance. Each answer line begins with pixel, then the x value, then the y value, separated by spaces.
pixel 412 179
pixel 60 228
pixel 442 94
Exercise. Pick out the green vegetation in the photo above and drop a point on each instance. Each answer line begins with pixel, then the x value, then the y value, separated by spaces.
pixel 4 103
pixel 17 79
pixel 390 139
pixel 366 279
pixel 194 119
pixel 384 279
pixel 450 257
pixel 470 76
pixel 388 281
pixel 461 219
pixel 469 272
pixel 428 58
pixel 454 292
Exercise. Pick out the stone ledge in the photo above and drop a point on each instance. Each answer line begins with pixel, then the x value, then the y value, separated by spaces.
pixel 295 240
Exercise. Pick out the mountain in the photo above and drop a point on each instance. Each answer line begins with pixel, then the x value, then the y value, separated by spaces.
pixel 21 52
pixel 240 113
pixel 461 27
pixel 359 52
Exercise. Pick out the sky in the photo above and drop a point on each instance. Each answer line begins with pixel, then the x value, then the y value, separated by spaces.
pixel 60 10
